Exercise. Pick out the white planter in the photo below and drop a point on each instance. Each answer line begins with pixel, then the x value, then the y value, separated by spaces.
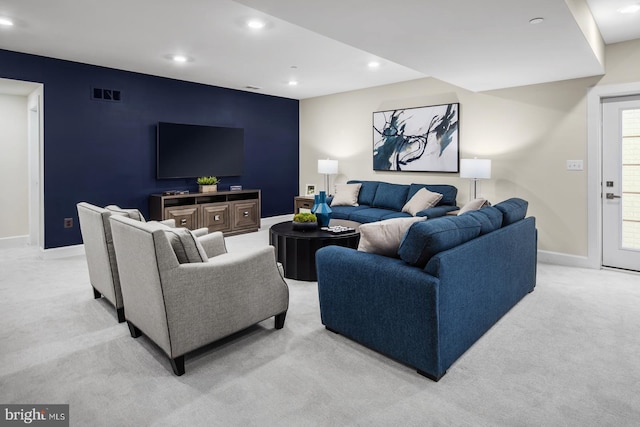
pixel 208 188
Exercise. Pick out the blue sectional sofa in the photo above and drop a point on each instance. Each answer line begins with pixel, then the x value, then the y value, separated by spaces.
pixel 454 277
pixel 381 200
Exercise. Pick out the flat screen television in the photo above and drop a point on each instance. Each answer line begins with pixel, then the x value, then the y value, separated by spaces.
pixel 189 151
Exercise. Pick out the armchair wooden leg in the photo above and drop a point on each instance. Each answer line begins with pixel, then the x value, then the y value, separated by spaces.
pixel 120 312
pixel 177 365
pixel 96 294
pixel 280 320
pixel 135 332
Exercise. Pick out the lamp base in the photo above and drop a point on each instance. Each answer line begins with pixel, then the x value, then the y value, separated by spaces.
pixel 326 184
pixel 473 189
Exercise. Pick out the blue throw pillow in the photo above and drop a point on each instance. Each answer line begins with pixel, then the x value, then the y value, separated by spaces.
pixel 513 210
pixel 449 192
pixel 425 239
pixel 367 191
pixel 490 219
pixel 391 196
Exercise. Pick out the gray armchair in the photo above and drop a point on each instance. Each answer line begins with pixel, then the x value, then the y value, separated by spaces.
pixel 184 292
pixel 98 246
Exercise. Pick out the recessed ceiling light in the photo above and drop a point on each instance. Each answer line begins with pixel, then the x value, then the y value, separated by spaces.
pixel 180 58
pixel 632 8
pixel 255 24
pixel 293 83
pixel 6 22
pixel 535 21
pixel 373 64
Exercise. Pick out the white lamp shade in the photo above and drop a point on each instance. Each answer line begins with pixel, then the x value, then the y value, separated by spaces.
pixel 328 167
pixel 475 168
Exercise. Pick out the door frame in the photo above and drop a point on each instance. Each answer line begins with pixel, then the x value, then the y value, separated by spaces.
pixel 594 165
pixel 35 103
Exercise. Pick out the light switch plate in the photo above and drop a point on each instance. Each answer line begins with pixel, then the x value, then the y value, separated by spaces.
pixel 574 165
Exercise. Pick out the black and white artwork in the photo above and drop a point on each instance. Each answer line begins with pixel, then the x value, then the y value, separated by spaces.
pixel 423 139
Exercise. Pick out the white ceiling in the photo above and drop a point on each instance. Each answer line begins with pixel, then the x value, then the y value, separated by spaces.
pixel 324 45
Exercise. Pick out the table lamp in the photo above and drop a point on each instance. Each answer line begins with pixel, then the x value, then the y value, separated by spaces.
pixel 327 167
pixel 475 169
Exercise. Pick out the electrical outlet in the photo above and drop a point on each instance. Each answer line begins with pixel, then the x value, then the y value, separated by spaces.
pixel 574 165
pixel 68 223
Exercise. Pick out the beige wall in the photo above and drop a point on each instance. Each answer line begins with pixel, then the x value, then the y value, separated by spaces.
pixel 14 215
pixel 529 133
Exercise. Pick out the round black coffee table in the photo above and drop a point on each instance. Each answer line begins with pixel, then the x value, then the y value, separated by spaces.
pixel 296 250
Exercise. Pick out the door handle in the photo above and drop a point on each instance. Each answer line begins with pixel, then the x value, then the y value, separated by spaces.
pixel 612 196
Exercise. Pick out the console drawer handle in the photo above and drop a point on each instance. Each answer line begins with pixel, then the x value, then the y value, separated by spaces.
pixel 245 214
pixel 183 221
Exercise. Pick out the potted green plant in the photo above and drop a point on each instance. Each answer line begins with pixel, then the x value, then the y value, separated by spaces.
pixel 305 221
pixel 207 184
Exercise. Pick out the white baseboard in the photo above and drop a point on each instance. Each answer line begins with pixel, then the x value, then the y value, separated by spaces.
pixel 14 242
pixel 63 252
pixel 546 257
pixel 76 250
pixel 568 260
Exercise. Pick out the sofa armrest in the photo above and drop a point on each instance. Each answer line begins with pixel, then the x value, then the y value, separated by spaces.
pixel 231 292
pixel 482 280
pixel 169 222
pixel 213 244
pixel 199 232
pixel 380 302
pixel 437 211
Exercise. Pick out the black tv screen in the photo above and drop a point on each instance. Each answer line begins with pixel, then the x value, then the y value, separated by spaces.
pixel 189 151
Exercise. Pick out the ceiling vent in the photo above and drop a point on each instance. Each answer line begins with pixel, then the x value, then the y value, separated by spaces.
pixel 106 94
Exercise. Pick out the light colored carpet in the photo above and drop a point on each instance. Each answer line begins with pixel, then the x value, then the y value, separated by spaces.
pixel 567 355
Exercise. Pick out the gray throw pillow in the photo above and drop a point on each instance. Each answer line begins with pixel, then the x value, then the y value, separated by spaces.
pixel 423 199
pixel 186 246
pixel 474 205
pixel 384 237
pixel 130 213
pixel 346 195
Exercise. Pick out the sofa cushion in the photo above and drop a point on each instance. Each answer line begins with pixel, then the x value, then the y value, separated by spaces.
pixel 344 212
pixel 373 214
pixel 367 191
pixel 423 199
pixel 474 205
pixel 427 238
pixel 186 246
pixel 449 192
pixel 129 213
pixel 346 195
pixel 394 214
pixel 490 219
pixel 384 237
pixel 390 196
pixel 513 210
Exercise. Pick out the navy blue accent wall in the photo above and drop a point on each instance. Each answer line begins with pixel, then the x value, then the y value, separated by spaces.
pixel 104 152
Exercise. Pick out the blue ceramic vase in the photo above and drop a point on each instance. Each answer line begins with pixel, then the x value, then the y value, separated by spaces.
pixel 322 210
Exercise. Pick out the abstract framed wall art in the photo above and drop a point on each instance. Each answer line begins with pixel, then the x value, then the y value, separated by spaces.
pixel 422 139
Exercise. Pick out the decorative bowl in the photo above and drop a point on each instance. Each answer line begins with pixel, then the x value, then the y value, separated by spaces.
pixel 304 226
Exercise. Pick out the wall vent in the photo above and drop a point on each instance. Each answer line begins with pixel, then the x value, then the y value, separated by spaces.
pixel 112 95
